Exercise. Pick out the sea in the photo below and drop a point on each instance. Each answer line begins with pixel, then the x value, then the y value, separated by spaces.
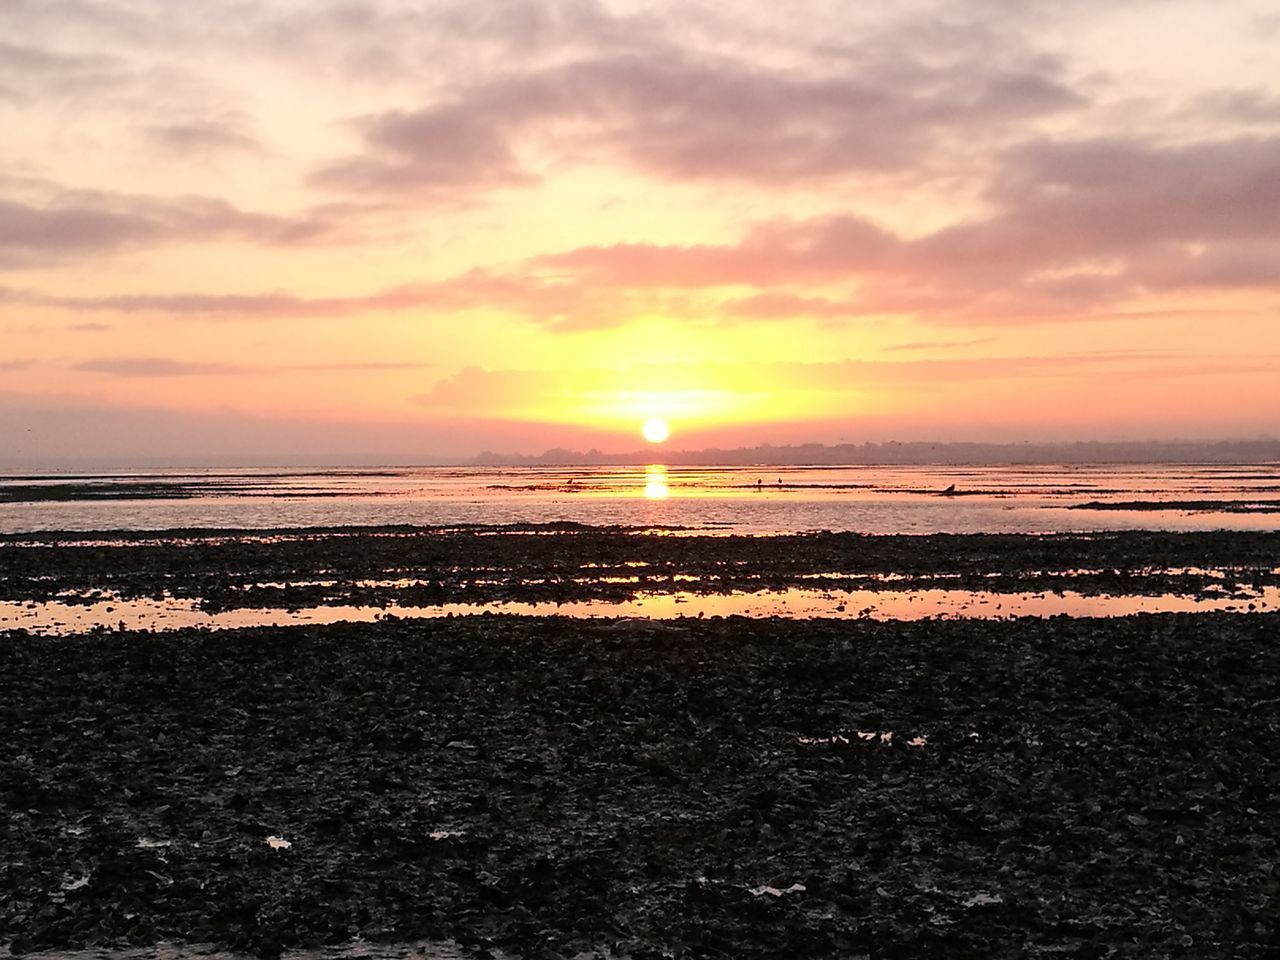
pixel 749 500
pixel 711 500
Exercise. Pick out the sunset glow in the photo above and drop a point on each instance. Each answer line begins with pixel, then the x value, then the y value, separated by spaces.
pixel 406 231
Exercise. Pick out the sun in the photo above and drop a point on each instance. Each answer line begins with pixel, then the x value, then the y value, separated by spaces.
pixel 655 430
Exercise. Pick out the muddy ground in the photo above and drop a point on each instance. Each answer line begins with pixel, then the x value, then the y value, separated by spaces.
pixel 1192 506
pixel 563 562
pixel 544 787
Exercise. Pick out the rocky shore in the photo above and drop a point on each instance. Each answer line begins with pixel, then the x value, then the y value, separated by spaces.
pixel 714 788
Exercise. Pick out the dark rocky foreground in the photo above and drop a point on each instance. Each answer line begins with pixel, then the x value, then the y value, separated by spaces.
pixel 545 787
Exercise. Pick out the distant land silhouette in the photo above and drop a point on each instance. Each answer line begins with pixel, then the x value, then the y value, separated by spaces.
pixel 917 452
pixel 888 453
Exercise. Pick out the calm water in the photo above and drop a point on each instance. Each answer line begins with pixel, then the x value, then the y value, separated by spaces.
pixel 1019 499
pixel 69 619
pixel 761 500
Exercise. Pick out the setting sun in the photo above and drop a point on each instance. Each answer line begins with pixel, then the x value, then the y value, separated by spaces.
pixel 655 430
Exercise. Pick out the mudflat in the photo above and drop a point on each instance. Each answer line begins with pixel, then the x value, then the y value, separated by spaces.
pixel 229 569
pixel 701 788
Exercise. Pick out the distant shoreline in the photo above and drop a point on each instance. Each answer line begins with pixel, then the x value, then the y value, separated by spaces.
pixel 917 453
pixel 887 454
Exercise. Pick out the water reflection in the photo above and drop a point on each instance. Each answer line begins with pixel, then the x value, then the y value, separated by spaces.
pixel 63 619
pixel 655 482
pixel 868 499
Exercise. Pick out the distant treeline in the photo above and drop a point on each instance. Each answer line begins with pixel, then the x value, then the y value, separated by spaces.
pixel 1173 451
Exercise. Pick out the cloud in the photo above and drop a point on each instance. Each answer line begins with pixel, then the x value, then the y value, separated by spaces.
pixel 32 71
pixel 840 100
pixel 771 253
pixel 1247 105
pixel 148 367
pixel 152 367
pixel 29 230
pixel 204 137
pixel 1073 225
pixel 15 365
pixel 447 152
pixel 678 113
pixel 781 306
pixel 341 366
pixel 75 224
pixel 1102 195
pixel 1075 228
pixel 221 305
pixel 107 19
pixel 532 297
pixel 922 346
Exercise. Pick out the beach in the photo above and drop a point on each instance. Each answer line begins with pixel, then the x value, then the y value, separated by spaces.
pixel 542 786
pixel 639 480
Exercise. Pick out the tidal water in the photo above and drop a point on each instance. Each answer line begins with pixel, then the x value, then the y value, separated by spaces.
pixel 57 618
pixel 746 500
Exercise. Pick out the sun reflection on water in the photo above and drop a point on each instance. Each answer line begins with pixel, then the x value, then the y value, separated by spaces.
pixel 655 482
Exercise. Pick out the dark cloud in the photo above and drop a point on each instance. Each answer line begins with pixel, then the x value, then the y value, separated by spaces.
pixel 33 235
pixel 689 116
pixel 1108 193
pixel 81 223
pixel 448 153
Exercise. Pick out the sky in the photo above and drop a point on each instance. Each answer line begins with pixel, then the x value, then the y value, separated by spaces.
pixel 284 229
